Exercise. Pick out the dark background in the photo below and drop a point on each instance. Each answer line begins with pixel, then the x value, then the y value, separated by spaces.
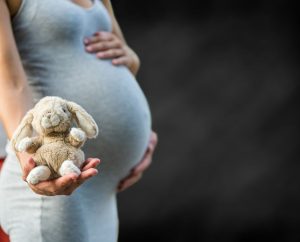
pixel 222 81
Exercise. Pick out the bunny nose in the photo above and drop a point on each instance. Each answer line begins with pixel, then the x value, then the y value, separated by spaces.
pixel 50 120
pixel 54 119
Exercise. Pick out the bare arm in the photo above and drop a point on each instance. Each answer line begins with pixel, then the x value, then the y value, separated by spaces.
pixel 134 67
pixel 15 96
pixel 116 28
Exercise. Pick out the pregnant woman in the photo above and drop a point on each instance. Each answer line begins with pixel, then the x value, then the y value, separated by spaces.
pixel 75 50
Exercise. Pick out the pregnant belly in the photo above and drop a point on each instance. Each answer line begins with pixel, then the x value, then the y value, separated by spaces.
pixel 115 100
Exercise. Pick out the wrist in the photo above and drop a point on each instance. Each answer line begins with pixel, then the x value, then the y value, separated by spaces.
pixel 135 61
pixel 135 65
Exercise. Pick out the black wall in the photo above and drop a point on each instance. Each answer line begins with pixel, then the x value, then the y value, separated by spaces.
pixel 222 80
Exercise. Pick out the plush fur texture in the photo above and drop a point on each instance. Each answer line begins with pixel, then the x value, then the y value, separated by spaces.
pixel 56 147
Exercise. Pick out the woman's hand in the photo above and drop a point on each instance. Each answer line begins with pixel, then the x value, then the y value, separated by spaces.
pixel 107 45
pixel 137 172
pixel 64 185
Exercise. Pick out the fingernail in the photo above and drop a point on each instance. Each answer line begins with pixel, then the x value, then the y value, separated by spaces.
pixel 100 55
pixel 95 173
pixel 89 48
pixel 86 40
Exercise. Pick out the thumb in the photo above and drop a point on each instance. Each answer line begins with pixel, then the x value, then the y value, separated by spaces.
pixel 28 165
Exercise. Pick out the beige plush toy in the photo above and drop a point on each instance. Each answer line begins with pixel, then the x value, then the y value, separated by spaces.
pixel 56 147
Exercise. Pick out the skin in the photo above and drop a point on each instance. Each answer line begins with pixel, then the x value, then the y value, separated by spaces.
pixel 13 84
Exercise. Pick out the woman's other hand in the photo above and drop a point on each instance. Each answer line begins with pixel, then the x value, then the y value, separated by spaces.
pixel 137 172
pixel 107 45
pixel 64 185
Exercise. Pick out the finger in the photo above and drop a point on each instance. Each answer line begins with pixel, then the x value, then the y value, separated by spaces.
pixel 123 60
pixel 147 158
pixel 111 53
pixel 153 140
pixel 82 178
pixel 128 182
pixel 91 163
pixel 103 45
pixel 104 34
pixel 85 175
pixel 143 165
pixel 151 146
pixel 99 36
pixel 27 167
pixel 65 181
pixel 86 162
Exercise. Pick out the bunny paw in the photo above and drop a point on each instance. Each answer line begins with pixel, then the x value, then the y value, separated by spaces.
pixel 32 179
pixel 68 167
pixel 39 173
pixel 78 134
pixel 24 144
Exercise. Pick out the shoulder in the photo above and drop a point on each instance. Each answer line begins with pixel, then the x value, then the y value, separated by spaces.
pixel 13 6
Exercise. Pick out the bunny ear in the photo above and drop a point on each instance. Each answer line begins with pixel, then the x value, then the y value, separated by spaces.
pixel 23 130
pixel 84 120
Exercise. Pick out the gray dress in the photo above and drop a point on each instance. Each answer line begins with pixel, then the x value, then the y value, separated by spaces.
pixel 49 35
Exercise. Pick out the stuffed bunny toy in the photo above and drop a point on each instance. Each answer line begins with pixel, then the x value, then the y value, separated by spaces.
pixel 56 148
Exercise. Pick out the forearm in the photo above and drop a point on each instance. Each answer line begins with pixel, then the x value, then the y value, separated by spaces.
pixel 117 31
pixel 135 66
pixel 115 26
pixel 14 103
